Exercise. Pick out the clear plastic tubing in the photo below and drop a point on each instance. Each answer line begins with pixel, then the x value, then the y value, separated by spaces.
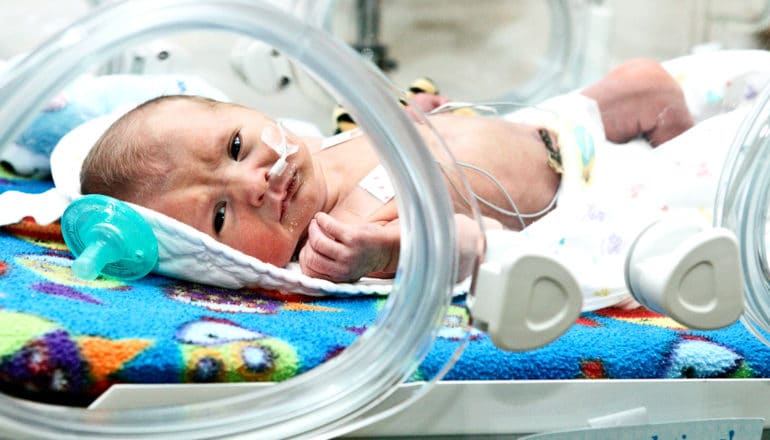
pixel 320 401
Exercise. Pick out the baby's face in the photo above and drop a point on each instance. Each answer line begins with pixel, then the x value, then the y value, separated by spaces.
pixel 220 184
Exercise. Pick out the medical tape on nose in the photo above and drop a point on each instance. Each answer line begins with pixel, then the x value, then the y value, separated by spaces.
pixel 281 146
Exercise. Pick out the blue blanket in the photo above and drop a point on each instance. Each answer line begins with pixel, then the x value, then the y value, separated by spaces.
pixel 65 340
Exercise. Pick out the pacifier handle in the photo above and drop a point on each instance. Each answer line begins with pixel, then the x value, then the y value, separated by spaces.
pixel 108 237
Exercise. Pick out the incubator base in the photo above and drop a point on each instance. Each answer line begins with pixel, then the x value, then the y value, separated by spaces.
pixel 508 407
pixel 684 268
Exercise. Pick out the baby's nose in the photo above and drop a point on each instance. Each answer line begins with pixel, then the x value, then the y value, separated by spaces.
pixel 251 186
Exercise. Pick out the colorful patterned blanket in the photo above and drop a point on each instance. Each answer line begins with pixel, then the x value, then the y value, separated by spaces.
pixel 64 340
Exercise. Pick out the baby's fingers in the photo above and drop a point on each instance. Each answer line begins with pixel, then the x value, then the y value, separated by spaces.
pixel 324 242
pixel 333 228
pixel 312 263
pixel 318 265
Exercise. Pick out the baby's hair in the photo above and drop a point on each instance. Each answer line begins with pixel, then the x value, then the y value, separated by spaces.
pixel 127 162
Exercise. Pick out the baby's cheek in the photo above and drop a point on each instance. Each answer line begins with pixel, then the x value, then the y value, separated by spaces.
pixel 268 246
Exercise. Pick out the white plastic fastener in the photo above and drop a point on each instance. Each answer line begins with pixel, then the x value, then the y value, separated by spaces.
pixel 525 298
pixel 685 268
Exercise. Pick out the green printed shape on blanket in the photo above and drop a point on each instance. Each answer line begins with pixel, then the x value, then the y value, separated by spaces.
pixel 16 329
pixel 286 362
pixel 228 362
pixel 744 371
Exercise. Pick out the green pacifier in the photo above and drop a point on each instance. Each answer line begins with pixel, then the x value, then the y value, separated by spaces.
pixel 108 237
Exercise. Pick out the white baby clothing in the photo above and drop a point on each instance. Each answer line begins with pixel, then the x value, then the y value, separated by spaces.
pixel 611 192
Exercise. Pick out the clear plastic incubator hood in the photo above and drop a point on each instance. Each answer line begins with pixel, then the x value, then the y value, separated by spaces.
pixel 741 206
pixel 529 298
pixel 333 398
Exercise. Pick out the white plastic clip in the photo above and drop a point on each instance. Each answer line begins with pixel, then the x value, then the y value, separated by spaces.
pixel 683 267
pixel 525 298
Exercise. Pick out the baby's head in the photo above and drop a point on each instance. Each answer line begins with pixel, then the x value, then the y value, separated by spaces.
pixel 126 162
pixel 206 164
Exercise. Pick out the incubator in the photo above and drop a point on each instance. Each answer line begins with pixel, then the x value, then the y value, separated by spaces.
pixel 355 380
pixel 530 297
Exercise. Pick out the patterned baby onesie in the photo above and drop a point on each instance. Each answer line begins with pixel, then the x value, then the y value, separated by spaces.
pixel 611 192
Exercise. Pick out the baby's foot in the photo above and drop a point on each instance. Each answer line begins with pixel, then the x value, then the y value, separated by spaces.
pixel 641 98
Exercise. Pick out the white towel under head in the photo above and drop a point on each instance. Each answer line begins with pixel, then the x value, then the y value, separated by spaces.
pixel 186 253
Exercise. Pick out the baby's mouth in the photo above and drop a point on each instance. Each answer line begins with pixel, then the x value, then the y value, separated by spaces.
pixel 291 190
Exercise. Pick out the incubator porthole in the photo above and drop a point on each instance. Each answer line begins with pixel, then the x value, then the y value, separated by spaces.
pixel 351 381
pixel 494 41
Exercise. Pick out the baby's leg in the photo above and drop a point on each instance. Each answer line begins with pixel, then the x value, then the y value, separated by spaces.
pixel 640 98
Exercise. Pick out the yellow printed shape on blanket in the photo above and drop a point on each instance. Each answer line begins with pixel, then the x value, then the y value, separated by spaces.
pixel 58 270
pixel 18 329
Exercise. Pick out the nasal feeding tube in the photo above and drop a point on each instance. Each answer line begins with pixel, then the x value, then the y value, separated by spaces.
pixel 282 147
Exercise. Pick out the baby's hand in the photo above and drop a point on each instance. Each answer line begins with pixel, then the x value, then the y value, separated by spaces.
pixel 342 252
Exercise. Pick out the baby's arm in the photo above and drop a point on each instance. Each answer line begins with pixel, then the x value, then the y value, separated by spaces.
pixel 341 252
pixel 640 98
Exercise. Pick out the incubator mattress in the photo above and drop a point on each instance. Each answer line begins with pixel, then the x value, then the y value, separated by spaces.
pixel 64 340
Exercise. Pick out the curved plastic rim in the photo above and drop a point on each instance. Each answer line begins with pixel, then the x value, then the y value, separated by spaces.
pixel 321 400
pixel 741 206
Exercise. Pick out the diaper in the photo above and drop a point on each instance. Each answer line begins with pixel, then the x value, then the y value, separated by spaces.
pixel 570 231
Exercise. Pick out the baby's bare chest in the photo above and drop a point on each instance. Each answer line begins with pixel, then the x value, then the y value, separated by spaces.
pixel 491 154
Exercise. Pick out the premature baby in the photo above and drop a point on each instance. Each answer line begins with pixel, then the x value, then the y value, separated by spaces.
pixel 212 165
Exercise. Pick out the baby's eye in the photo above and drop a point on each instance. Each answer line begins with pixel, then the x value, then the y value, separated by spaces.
pixel 219 218
pixel 235 146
